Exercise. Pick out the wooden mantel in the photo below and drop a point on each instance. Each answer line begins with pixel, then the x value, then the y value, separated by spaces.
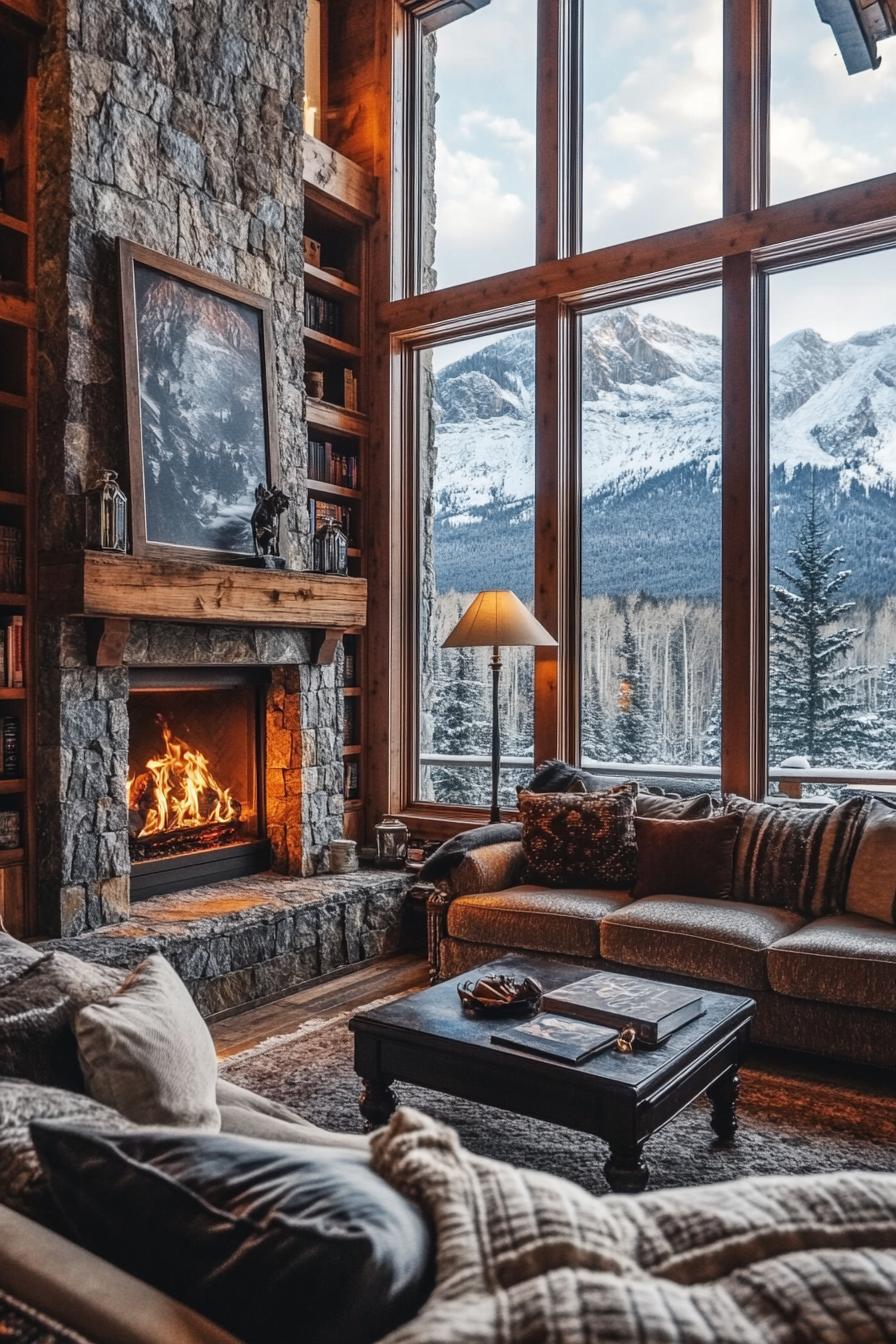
pixel 116 589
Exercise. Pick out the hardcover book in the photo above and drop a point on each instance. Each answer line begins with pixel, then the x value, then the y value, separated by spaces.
pixel 557 1037
pixel 654 1009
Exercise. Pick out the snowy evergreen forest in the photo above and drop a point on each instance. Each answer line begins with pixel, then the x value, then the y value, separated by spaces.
pixel 650 541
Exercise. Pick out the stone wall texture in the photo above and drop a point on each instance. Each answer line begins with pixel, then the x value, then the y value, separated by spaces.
pixel 176 123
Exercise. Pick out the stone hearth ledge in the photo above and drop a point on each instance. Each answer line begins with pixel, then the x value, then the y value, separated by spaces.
pixel 252 938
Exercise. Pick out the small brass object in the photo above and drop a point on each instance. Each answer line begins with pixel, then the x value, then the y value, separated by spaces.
pixel 625 1041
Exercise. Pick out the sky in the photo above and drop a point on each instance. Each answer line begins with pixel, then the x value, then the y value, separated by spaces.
pixel 652 139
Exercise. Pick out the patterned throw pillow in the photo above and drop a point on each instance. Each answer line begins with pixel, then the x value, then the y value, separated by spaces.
pixel 795 857
pixel 580 839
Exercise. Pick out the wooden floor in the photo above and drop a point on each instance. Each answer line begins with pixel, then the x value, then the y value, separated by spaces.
pixel 325 998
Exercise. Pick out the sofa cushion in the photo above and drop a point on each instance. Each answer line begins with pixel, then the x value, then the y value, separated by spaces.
pixel 724 941
pixel 796 857
pixel 692 858
pixel 535 918
pixel 872 878
pixel 846 959
pixel 23 1185
pixel 147 1052
pixel 37 1040
pixel 275 1242
pixel 580 839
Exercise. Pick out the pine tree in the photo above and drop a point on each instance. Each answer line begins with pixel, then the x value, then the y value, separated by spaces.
pixel 633 736
pixel 597 732
pixel 460 728
pixel 812 703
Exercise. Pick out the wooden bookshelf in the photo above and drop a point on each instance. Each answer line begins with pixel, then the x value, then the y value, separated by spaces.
pixel 19 41
pixel 339 208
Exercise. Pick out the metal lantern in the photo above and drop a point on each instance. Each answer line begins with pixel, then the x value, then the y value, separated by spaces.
pixel 106 515
pixel 330 548
pixel 391 842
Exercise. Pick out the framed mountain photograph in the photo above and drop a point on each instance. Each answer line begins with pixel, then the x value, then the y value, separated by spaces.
pixel 200 406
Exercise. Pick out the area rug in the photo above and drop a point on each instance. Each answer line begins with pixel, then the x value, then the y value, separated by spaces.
pixel 788 1124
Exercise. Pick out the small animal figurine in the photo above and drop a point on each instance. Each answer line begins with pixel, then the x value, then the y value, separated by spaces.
pixel 265 523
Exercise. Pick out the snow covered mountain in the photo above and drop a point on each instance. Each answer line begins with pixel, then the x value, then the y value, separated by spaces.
pixel 650 429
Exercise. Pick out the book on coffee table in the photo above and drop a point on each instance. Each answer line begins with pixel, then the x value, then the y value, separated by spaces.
pixel 654 1009
pixel 558 1037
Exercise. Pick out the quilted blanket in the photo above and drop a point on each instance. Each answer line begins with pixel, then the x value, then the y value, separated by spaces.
pixel 527 1258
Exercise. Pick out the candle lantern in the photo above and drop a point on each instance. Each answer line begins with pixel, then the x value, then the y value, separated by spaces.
pixel 391 842
pixel 330 549
pixel 106 515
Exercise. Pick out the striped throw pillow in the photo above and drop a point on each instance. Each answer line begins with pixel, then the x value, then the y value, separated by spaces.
pixel 796 857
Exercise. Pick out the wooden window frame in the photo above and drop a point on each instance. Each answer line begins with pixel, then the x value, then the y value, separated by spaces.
pixel 750 241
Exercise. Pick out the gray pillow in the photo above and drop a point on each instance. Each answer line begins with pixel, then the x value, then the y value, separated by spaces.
pixel 664 808
pixel 275 1242
pixel 146 1051
pixel 23 1185
pixel 36 1014
pixel 15 957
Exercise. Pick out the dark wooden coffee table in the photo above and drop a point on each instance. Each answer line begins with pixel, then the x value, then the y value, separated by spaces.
pixel 426 1038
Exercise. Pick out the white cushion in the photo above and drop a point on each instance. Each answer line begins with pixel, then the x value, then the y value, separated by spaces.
pixel 147 1052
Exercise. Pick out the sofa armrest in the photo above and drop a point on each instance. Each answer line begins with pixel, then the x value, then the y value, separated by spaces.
pixel 87 1295
pixel 492 868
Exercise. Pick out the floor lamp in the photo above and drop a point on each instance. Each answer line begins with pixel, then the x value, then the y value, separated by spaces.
pixel 497 618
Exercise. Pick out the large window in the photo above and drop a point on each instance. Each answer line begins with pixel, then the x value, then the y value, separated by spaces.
pixel 674 433
pixel 476 479
pixel 828 127
pixel 651 490
pixel 477 154
pixel 832 410
pixel 652 117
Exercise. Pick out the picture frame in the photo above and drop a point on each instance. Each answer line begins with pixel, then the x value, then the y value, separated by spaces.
pixel 200 407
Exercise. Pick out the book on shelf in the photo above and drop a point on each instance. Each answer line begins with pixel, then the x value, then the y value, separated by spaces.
pixel 323 315
pixel 10 740
pixel 558 1037
pixel 12 561
pixel 350 723
pixel 321 509
pixel 652 1008
pixel 10 830
pixel 349 390
pixel 14 652
pixel 349 664
pixel 325 463
pixel 352 785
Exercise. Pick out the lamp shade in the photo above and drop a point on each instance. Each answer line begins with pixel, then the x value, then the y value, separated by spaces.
pixel 497 617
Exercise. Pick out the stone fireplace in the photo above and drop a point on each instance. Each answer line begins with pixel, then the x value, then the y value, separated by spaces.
pixel 180 127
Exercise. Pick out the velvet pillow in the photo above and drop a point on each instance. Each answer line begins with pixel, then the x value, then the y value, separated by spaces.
pixel 686 858
pixel 275 1242
pixel 23 1185
pixel 37 1010
pixel 580 839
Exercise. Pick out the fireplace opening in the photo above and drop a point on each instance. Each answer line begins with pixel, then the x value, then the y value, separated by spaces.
pixel 195 772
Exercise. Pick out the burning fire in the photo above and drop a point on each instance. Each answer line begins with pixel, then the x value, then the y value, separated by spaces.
pixel 177 791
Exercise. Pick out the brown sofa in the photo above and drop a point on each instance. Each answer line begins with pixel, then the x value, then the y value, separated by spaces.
pixel 827 986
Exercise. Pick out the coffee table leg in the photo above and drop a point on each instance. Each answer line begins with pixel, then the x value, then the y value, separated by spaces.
pixel 626 1171
pixel 376 1102
pixel 723 1096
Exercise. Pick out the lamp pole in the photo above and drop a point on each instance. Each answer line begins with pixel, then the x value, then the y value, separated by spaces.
pixel 496 733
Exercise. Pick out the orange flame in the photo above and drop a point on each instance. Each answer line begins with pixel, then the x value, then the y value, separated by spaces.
pixel 186 792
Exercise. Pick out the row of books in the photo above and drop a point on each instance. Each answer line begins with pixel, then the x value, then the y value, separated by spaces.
pixel 12 653
pixel 336 468
pixel 321 509
pixel 351 724
pixel 12 560
pixel 579 1020
pixel 323 315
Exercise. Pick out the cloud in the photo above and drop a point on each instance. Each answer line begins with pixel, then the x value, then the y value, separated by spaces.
pixel 474 210
pixel 803 162
pixel 507 131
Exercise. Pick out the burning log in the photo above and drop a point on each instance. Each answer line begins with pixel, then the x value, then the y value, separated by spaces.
pixel 185 839
pixel 176 804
